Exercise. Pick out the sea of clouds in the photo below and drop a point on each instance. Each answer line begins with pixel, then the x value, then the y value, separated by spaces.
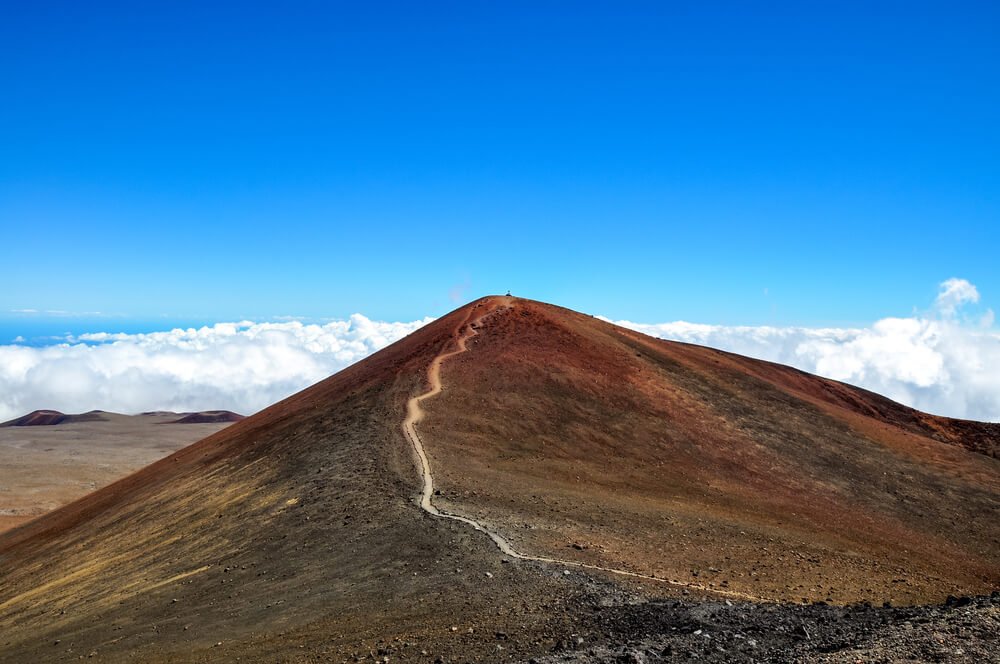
pixel 234 366
pixel 940 361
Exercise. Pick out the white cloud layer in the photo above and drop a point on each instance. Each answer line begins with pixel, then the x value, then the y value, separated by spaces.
pixel 938 362
pixel 236 366
pixel 941 361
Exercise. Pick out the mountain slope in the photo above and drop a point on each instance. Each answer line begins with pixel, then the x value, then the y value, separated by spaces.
pixel 292 527
pixel 691 463
pixel 295 534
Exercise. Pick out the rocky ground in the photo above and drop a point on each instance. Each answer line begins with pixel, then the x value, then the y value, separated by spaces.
pixel 962 630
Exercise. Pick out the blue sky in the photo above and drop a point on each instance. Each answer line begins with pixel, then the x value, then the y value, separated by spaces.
pixel 793 164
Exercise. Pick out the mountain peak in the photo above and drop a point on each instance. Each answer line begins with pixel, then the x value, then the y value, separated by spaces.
pixel 559 452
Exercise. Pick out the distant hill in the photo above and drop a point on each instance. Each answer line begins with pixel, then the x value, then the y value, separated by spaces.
pixel 42 418
pixel 209 417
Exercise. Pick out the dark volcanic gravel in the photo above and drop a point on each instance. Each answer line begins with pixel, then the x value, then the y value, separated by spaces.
pixel 963 630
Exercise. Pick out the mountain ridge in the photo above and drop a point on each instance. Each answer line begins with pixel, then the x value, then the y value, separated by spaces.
pixel 49 417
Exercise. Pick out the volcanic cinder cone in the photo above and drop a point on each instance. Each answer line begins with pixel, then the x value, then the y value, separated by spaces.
pixel 297 532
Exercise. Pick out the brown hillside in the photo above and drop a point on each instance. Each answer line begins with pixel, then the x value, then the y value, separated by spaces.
pixel 562 431
pixel 294 527
pixel 295 535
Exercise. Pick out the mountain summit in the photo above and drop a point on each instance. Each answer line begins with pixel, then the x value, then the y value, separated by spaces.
pixel 513 470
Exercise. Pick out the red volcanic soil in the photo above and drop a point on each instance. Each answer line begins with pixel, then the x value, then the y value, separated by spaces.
pixel 209 417
pixel 982 437
pixel 296 534
pixel 40 418
pixel 579 439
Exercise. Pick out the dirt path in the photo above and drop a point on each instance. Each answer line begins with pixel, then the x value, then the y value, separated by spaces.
pixel 414 414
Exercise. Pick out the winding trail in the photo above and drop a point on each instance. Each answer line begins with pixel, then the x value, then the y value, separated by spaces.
pixel 414 414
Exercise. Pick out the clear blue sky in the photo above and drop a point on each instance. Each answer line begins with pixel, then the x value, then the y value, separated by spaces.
pixel 786 163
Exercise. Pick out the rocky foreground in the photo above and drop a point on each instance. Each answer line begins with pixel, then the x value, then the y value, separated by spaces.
pixel 964 629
